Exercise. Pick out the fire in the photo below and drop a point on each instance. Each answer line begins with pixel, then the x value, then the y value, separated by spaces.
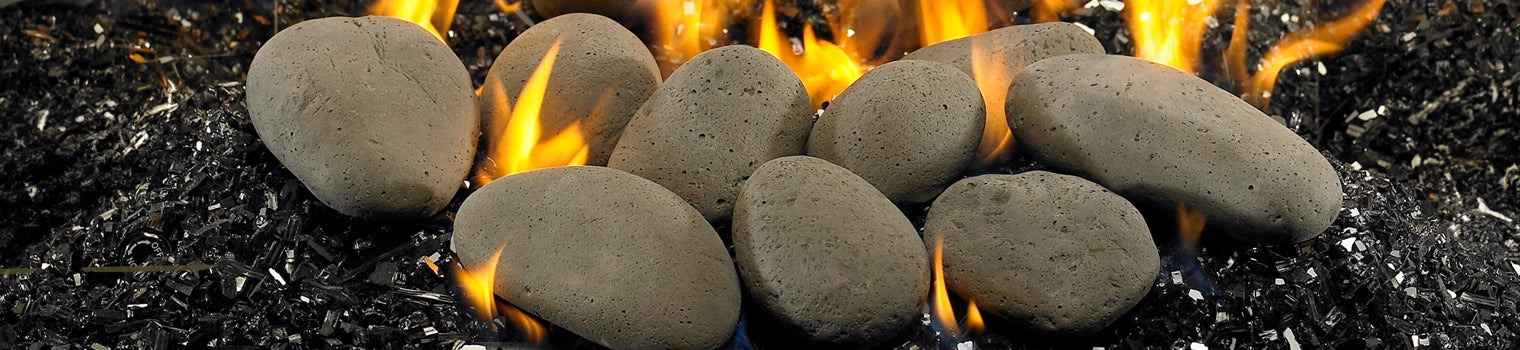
pixel 1169 32
pixel 942 313
pixel 990 73
pixel 825 68
pixel 1189 226
pixel 522 146
pixel 974 318
pixel 1042 11
pixel 1310 42
pixel 941 20
pixel 530 327
pixel 434 15
pixel 478 286
pixel 685 28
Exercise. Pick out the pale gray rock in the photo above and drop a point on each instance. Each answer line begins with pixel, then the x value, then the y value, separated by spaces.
pixel 993 58
pixel 1159 136
pixel 1052 253
pixel 602 74
pixel 610 256
pixel 829 261
pixel 373 114
pixel 716 119
pixel 910 128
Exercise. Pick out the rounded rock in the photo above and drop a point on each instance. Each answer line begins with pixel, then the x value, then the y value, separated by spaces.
pixel 829 261
pixel 612 257
pixel 373 114
pixel 601 75
pixel 609 8
pixel 1054 254
pixel 716 119
pixel 1159 136
pixel 995 57
pixel 910 128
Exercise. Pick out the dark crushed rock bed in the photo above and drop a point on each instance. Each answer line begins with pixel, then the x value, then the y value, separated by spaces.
pixel 130 146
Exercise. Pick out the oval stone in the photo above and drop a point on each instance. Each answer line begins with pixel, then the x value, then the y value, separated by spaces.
pixel 994 57
pixel 602 74
pixel 829 261
pixel 910 128
pixel 373 114
pixel 1159 136
pixel 1051 253
pixel 716 119
pixel 610 256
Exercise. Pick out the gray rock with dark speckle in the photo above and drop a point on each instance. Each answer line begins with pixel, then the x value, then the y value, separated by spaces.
pixel 716 119
pixel 603 73
pixel 1157 136
pixel 1052 253
pixel 910 128
pixel 373 114
pixel 828 259
pixel 605 254
pixel 995 57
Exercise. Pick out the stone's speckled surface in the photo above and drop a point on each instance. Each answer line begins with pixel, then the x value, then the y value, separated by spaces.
pixel 995 57
pixel 603 73
pixel 1051 253
pixel 908 127
pixel 608 255
pixel 1158 136
pixel 373 114
pixel 609 8
pixel 828 259
pixel 716 119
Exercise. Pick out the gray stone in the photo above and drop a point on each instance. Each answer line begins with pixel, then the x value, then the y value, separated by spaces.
pixel 716 119
pixel 908 127
pixel 1052 253
pixel 609 8
pixel 828 259
pixel 602 74
pixel 1158 136
pixel 612 257
pixel 995 57
pixel 373 114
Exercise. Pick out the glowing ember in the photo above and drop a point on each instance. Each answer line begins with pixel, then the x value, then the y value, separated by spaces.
pixel 1189 226
pixel 940 309
pixel 1169 32
pixel 521 145
pixel 434 15
pixel 941 20
pixel 477 286
pixel 1310 42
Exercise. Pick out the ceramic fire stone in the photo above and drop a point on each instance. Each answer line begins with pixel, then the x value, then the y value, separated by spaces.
pixel 830 262
pixel 1052 253
pixel 717 118
pixel 605 254
pixel 609 8
pixel 373 114
pixel 908 127
pixel 603 73
pixel 1157 136
pixel 994 57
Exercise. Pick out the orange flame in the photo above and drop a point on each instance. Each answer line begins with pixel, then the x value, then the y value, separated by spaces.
pixel 990 73
pixel 478 286
pixel 942 312
pixel 1314 41
pixel 941 20
pixel 434 15
pixel 825 68
pixel 1169 32
pixel 974 318
pixel 685 28
pixel 530 327
pixel 521 146
pixel 1189 226
pixel 1050 10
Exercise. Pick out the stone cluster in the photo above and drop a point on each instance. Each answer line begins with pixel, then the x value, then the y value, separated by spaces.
pixel 376 118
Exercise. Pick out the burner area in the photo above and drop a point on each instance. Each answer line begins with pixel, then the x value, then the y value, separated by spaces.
pixel 758 174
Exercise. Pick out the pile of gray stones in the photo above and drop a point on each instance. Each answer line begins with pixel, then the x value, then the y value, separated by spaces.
pixel 379 120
